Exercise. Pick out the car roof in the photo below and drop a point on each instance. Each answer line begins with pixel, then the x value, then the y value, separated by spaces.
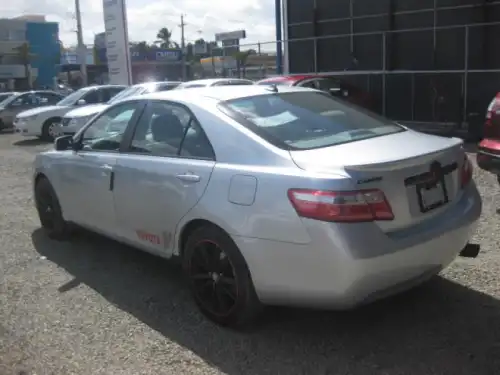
pixel 219 93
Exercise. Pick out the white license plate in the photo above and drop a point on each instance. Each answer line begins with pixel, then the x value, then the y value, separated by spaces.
pixel 433 196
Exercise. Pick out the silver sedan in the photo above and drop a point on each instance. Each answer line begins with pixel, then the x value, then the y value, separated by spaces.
pixel 269 196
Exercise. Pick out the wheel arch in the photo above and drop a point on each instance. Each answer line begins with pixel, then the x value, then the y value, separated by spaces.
pixel 39 176
pixel 189 228
pixel 52 119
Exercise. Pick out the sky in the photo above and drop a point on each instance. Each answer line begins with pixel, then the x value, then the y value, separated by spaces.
pixel 203 18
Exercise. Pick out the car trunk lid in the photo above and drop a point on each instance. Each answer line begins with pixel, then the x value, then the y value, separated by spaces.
pixel 399 165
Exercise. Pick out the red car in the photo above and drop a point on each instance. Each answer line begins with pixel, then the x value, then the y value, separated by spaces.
pixel 488 153
pixel 326 83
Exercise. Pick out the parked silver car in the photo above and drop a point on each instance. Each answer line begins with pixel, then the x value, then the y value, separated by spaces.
pixel 268 195
pixel 19 102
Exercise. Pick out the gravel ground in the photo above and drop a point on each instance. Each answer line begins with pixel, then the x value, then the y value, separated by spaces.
pixel 96 307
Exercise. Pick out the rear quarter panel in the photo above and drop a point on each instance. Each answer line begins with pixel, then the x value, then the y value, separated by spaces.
pixel 271 215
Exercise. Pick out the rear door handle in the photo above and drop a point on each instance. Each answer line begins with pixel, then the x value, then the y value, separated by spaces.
pixel 188 177
pixel 107 167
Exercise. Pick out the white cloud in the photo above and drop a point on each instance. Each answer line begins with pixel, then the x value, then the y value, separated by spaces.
pixel 204 18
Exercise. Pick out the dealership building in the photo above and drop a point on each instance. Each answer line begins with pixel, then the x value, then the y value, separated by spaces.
pixel 42 39
pixel 429 61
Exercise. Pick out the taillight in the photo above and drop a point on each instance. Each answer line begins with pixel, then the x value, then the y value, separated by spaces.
pixel 341 206
pixel 466 172
pixel 492 109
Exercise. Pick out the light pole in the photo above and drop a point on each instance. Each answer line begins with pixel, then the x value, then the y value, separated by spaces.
pixel 82 50
pixel 183 48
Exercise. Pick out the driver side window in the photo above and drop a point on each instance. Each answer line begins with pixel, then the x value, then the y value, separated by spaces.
pixel 106 132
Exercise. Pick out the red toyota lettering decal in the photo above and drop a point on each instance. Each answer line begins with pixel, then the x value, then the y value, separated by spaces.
pixel 149 237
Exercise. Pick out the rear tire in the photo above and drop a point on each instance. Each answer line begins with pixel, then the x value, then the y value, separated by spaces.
pixel 219 278
pixel 49 211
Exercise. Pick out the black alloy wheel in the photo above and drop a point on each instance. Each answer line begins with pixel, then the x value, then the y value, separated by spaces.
pixel 219 278
pixel 213 278
pixel 49 211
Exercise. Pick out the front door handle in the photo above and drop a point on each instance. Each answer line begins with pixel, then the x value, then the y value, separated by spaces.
pixel 188 177
pixel 107 167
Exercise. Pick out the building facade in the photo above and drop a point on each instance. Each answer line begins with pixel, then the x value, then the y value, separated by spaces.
pixel 422 60
pixel 29 49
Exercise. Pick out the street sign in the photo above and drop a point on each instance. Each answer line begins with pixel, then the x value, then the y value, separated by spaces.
pixel 238 34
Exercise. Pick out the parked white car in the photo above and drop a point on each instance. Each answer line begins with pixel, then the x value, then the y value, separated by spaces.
pixel 209 82
pixel 75 119
pixel 44 122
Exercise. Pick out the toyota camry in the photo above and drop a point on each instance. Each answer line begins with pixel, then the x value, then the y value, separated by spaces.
pixel 268 195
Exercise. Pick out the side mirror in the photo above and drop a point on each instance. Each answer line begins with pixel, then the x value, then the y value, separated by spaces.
pixel 63 143
pixel 81 102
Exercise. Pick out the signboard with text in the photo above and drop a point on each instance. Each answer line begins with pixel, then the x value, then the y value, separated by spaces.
pixel 117 51
pixel 238 34
pixel 158 55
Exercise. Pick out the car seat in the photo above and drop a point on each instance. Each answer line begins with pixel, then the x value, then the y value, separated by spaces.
pixel 167 132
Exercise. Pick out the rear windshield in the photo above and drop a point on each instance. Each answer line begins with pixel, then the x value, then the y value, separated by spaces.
pixel 190 86
pixel 306 120
pixel 166 86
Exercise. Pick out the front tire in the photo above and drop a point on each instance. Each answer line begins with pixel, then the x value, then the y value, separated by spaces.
pixel 49 211
pixel 49 130
pixel 219 278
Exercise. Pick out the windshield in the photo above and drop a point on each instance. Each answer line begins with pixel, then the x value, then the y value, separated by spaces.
pixel 73 98
pixel 306 120
pixel 4 97
pixel 10 99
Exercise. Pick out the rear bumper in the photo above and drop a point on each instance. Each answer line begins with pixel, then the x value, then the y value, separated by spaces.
pixel 330 271
pixel 488 156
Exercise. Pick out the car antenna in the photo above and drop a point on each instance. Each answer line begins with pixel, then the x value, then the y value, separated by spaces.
pixel 273 87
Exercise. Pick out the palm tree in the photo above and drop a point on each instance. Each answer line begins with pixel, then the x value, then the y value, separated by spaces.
pixel 164 38
pixel 25 56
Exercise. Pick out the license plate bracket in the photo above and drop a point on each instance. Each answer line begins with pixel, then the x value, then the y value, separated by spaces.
pixel 432 195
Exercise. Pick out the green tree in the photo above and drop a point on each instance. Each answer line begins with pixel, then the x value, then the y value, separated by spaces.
pixel 164 38
pixel 142 48
pixel 26 57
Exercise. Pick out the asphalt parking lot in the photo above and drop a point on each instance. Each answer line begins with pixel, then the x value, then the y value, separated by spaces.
pixel 93 307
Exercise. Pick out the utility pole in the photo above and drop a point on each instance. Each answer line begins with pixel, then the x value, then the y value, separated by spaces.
pixel 82 51
pixel 183 48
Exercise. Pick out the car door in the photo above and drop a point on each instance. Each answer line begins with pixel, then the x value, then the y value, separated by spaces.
pixel 87 176
pixel 161 175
